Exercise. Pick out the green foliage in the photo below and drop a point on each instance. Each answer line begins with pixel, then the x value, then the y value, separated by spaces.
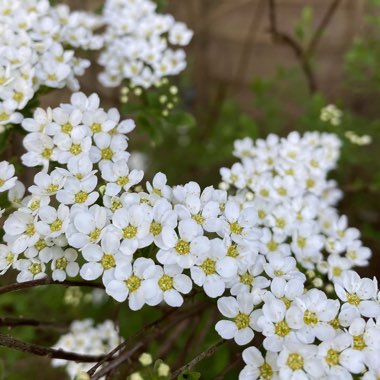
pixel 303 27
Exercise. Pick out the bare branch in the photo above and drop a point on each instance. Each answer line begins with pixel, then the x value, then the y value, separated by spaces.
pixel 14 322
pixel 51 353
pixel 282 37
pixel 321 28
pixel 203 355
pixel 47 281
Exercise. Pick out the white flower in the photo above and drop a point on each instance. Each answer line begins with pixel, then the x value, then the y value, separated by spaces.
pixel 358 295
pixel 256 367
pixel 132 282
pixel 64 263
pixel 21 231
pixel 133 227
pixel 53 222
pixel 297 361
pixel 102 260
pixel 240 310
pixel 311 314
pixel 7 179
pixel 185 248
pixel 170 283
pixel 87 226
pixel 79 192
pixel 118 177
pixel 213 268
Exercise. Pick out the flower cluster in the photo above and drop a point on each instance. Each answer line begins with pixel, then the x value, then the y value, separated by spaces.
pixel 138 44
pixel 34 40
pixel 85 338
pixel 274 250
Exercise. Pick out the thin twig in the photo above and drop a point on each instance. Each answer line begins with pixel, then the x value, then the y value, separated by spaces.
pixel 117 361
pixel 47 281
pixel 52 353
pixel 145 330
pixel 321 28
pixel 279 36
pixel 203 355
pixel 14 322
pixel 149 333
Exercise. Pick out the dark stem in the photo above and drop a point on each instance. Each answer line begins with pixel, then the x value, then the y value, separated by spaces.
pixel 14 322
pixel 51 353
pixel 321 28
pixel 203 355
pixel 47 281
pixel 284 38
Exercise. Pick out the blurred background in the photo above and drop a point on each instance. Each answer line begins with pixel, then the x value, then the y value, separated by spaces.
pixel 254 67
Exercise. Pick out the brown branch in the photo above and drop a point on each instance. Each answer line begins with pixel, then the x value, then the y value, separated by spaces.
pixel 47 281
pixel 203 355
pixel 149 333
pixel 145 330
pixel 51 353
pixel 321 28
pixel 302 55
pixel 117 361
pixel 15 322
pixel 297 49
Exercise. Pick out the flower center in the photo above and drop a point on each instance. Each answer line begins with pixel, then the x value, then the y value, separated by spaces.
pixel 199 218
pixel 335 324
pixel 165 283
pixel 61 263
pixel 129 232
pixel 266 371
pixel 242 321
pixel 30 230
pixel 235 228
pixel 272 245
pixel 40 245
pixel 301 242
pixel 108 261
pixel 281 329
pixel 75 149
pixel 35 268
pixel 182 247
pixel 115 204
pixel 133 283
pixel 46 153
pixel 56 225
pixel 94 235
pixel 353 299
pixel 295 361
pixel 107 154
pixel 359 343
pixel 246 278
pixel 35 205
pixel 332 357
pixel 67 128
pixel 232 251
pixel 52 188
pixel 280 223
pixel 96 128
pixel 310 318
pixel 155 228
pixel 122 181
pixel 9 258
pixel 208 266
pixel 81 197
pixel 286 301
